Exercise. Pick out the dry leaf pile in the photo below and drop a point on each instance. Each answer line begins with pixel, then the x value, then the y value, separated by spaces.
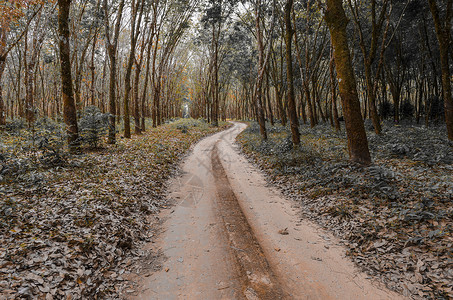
pixel 74 230
pixel 395 217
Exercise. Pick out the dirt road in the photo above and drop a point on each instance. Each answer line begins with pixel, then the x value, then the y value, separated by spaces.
pixel 232 237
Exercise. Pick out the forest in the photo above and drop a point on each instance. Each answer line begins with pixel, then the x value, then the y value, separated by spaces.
pixel 348 107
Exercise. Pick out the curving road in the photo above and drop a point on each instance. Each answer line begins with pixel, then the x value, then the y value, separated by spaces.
pixel 232 237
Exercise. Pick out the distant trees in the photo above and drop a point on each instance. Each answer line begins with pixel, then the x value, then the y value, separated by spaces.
pixel 30 53
pixel 11 14
pixel 396 74
pixel 268 60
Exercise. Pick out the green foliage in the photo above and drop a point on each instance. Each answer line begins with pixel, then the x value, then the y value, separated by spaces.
pixel 93 125
pixel 25 151
pixel 15 126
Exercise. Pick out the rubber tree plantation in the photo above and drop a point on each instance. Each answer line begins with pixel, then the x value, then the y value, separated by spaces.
pixel 131 130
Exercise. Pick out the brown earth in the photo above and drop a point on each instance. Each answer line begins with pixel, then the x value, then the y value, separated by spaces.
pixel 232 237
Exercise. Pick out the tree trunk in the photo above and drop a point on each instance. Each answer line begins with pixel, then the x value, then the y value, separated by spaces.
pixel 258 84
pixel 111 49
pixel 372 100
pixel 269 104
pixel 357 141
pixel 137 127
pixel 289 75
pixel 281 111
pixel 311 113
pixel 29 92
pixel 333 90
pixel 127 79
pixel 69 109
pixel 145 87
pixel 2 105
pixel 127 91
pixel 93 71
pixel 443 32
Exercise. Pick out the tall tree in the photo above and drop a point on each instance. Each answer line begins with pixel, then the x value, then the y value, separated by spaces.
pixel 69 109
pixel 30 63
pixel 357 141
pixel 137 7
pixel 264 47
pixel 370 50
pixel 333 91
pixel 443 32
pixel 112 47
pixel 216 14
pixel 289 74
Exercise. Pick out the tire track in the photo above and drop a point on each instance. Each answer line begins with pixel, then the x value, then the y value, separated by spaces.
pixel 257 278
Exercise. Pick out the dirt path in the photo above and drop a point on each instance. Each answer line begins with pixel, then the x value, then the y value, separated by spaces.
pixel 232 237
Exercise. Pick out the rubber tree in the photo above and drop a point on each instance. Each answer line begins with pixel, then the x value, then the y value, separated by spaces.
pixel 333 92
pixel 174 21
pixel 2 69
pixel 137 7
pixel 69 109
pixel 261 67
pixel 264 47
pixel 31 57
pixel 215 16
pixel 443 32
pixel 337 21
pixel 112 46
pixel 310 41
pixel 289 74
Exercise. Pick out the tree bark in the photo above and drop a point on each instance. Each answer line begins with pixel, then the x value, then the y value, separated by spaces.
pixel 111 49
pixel 69 109
pixel 357 141
pixel 258 84
pixel 215 76
pixel 443 32
pixel 135 25
pixel 289 75
pixel 333 90
pixel 2 106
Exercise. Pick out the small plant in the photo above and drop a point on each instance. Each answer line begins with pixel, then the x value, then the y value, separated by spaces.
pixel 93 126
pixel 183 128
pixel 52 152
pixel 15 126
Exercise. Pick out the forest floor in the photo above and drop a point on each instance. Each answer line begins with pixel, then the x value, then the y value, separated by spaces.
pixel 395 217
pixel 72 226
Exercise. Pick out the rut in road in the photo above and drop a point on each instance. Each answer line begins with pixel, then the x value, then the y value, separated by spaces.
pixel 257 278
